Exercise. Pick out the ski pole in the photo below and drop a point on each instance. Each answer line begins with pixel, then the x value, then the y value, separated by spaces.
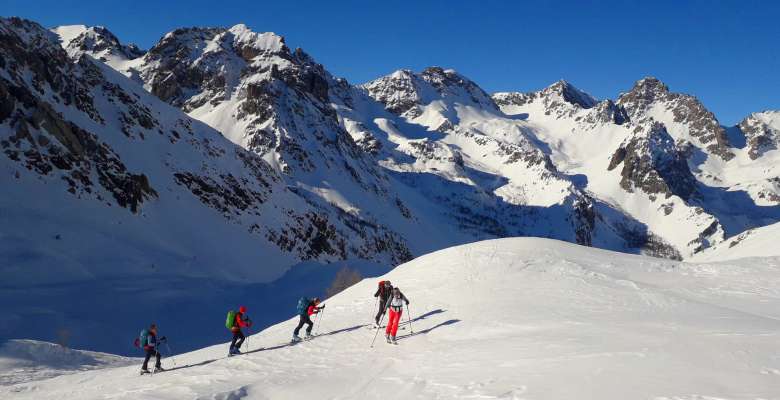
pixel 170 353
pixel 248 334
pixel 410 318
pixel 377 330
pixel 376 300
pixel 319 315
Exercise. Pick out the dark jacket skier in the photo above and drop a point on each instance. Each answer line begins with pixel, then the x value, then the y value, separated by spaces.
pixel 383 292
pixel 149 342
pixel 305 318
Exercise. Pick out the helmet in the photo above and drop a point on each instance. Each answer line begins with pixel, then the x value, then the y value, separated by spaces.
pixel 387 283
pixel 242 309
pixel 316 300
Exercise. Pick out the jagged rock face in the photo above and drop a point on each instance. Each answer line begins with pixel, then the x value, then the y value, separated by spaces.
pixel 762 133
pixel 650 96
pixel 560 100
pixel 100 43
pixel 653 163
pixel 606 112
pixel 276 103
pixel 73 127
pixel 41 139
pixel 405 93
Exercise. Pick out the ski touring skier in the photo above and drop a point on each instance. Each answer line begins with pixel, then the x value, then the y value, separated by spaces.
pixel 396 307
pixel 306 308
pixel 149 342
pixel 235 321
pixel 383 292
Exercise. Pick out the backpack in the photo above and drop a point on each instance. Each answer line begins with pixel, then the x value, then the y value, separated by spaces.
pixel 230 321
pixel 143 339
pixel 382 287
pixel 303 305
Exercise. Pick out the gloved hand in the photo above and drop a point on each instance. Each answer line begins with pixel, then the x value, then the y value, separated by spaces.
pixel 163 339
pixel 407 302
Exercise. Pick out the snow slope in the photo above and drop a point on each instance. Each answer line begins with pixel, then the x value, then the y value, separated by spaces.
pixel 520 318
pixel 758 242
pixel 31 360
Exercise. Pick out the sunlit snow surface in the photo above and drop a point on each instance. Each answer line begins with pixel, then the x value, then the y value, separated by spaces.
pixel 517 318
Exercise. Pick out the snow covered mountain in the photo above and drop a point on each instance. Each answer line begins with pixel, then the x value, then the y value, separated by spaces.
pixel 222 161
pixel 520 318
pixel 106 185
pixel 661 157
pixel 446 153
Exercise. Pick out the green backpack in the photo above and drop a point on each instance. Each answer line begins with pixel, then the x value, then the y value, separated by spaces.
pixel 231 319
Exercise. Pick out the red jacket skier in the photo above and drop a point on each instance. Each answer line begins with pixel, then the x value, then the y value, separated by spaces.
pixel 241 321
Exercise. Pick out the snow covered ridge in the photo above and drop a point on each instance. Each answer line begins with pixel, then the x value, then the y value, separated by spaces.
pixel 439 133
pixel 520 318
pixel 78 132
pixel 24 361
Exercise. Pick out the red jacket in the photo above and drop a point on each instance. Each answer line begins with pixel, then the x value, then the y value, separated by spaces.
pixel 312 309
pixel 240 322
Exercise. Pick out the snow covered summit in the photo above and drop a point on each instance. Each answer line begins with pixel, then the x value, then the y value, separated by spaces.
pixel 516 318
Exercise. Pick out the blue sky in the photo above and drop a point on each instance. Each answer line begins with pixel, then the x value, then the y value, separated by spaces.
pixel 725 52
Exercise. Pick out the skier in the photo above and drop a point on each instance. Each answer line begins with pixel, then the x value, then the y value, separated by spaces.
pixel 383 292
pixel 396 307
pixel 306 308
pixel 149 342
pixel 241 320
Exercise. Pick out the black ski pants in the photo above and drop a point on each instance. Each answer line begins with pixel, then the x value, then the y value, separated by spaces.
pixel 382 305
pixel 238 339
pixel 305 319
pixel 149 353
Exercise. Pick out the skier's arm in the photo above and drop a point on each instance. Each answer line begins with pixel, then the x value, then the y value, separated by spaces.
pixel 405 299
pixel 378 290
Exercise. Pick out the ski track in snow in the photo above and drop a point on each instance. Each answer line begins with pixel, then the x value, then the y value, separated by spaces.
pixel 504 319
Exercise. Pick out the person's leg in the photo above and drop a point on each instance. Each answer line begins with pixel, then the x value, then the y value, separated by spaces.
pixel 382 304
pixel 146 359
pixel 310 325
pixel 390 317
pixel 241 338
pixel 157 364
pixel 233 342
pixel 300 325
pixel 396 320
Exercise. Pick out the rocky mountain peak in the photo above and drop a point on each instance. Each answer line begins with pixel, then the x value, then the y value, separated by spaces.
pixel 570 94
pixel 404 92
pixel 650 98
pixel 762 132
pixel 250 44
pixel 648 88
pixel 654 163
pixel 97 41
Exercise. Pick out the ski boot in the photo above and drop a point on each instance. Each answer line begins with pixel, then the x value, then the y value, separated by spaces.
pixel 295 339
pixel 159 369
pixel 387 337
pixel 308 336
pixel 392 338
pixel 144 371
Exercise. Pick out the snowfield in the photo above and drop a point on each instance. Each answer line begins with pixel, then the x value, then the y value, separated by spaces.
pixel 520 318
